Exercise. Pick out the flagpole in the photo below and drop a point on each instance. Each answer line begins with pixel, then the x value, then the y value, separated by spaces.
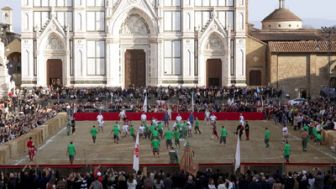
pixel 136 154
pixel 237 156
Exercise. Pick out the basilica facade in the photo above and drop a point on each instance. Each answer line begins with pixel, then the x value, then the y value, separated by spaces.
pixel 119 43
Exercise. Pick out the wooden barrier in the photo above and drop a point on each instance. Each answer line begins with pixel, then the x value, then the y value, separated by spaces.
pixel 17 147
pixel 329 138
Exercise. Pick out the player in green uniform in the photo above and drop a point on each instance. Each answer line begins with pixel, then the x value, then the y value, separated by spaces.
pixel 71 152
pixel 132 132
pixel 160 128
pixel 287 151
pixel 305 139
pixel 223 135
pixel 197 124
pixel 155 134
pixel 116 132
pixel 93 133
pixel 177 137
pixel 169 136
pixel 267 137
pixel 156 147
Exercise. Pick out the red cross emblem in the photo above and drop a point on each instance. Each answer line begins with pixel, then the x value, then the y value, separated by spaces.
pixel 137 151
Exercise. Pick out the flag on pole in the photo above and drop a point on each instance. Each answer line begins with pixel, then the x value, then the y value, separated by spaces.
pixel 144 108
pixel 237 157
pixel 136 154
pixel 192 102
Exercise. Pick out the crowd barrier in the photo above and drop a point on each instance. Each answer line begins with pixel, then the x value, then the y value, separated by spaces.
pixel 112 116
pixel 223 167
pixel 17 147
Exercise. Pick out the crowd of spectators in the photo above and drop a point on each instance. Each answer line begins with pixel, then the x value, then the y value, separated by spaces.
pixel 110 179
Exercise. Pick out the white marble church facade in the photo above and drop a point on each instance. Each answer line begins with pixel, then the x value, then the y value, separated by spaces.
pixel 105 42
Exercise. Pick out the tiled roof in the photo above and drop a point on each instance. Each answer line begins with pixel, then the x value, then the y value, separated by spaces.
pixel 302 46
pixel 281 14
pixel 293 35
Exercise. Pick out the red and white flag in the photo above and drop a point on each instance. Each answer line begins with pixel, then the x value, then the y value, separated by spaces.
pixel 136 154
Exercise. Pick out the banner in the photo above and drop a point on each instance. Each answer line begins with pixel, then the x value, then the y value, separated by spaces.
pixel 136 154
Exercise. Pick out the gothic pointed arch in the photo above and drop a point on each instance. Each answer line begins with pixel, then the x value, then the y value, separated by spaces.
pixel 148 20
pixel 134 25
pixel 213 35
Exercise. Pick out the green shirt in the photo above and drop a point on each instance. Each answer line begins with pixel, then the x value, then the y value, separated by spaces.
pixel 132 130
pixel 177 134
pixel 94 132
pixel 116 131
pixel 155 133
pixel 178 125
pixel 156 144
pixel 160 126
pixel 267 134
pixel 168 135
pixel 287 150
pixel 71 149
pixel 152 128
pixel 223 132
pixel 197 123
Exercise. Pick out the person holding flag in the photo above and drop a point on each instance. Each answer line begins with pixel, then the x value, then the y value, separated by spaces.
pixel 93 133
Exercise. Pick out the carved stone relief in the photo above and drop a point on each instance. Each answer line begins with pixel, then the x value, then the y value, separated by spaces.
pixel 54 43
pixel 214 42
pixel 134 25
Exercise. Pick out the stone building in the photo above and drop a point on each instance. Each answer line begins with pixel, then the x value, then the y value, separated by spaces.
pixel 10 54
pixel 285 55
pixel 133 42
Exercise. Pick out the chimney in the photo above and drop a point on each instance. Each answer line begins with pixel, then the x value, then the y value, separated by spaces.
pixel 281 4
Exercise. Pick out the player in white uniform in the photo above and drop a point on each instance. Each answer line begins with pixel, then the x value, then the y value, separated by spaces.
pixel 122 115
pixel 125 129
pixel 285 134
pixel 207 116
pixel 242 120
pixel 141 130
pixel 143 118
pixel 213 118
pixel 100 120
pixel 178 118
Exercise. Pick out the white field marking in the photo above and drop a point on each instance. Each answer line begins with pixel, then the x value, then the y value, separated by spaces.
pixel 41 147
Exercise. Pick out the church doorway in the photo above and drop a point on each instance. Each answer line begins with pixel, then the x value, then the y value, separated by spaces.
pixel 54 72
pixel 135 68
pixel 214 72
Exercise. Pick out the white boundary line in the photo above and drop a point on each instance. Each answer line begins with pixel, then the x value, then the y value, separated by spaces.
pixel 43 146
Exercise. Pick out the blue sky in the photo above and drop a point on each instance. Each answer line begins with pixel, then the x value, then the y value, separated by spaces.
pixel 315 13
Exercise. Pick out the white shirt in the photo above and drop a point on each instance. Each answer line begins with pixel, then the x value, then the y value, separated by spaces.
pixel 131 185
pixel 207 114
pixel 285 131
pixel 143 117
pixel 141 129
pixel 213 117
pixel 125 128
pixel 100 118
pixel 122 114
